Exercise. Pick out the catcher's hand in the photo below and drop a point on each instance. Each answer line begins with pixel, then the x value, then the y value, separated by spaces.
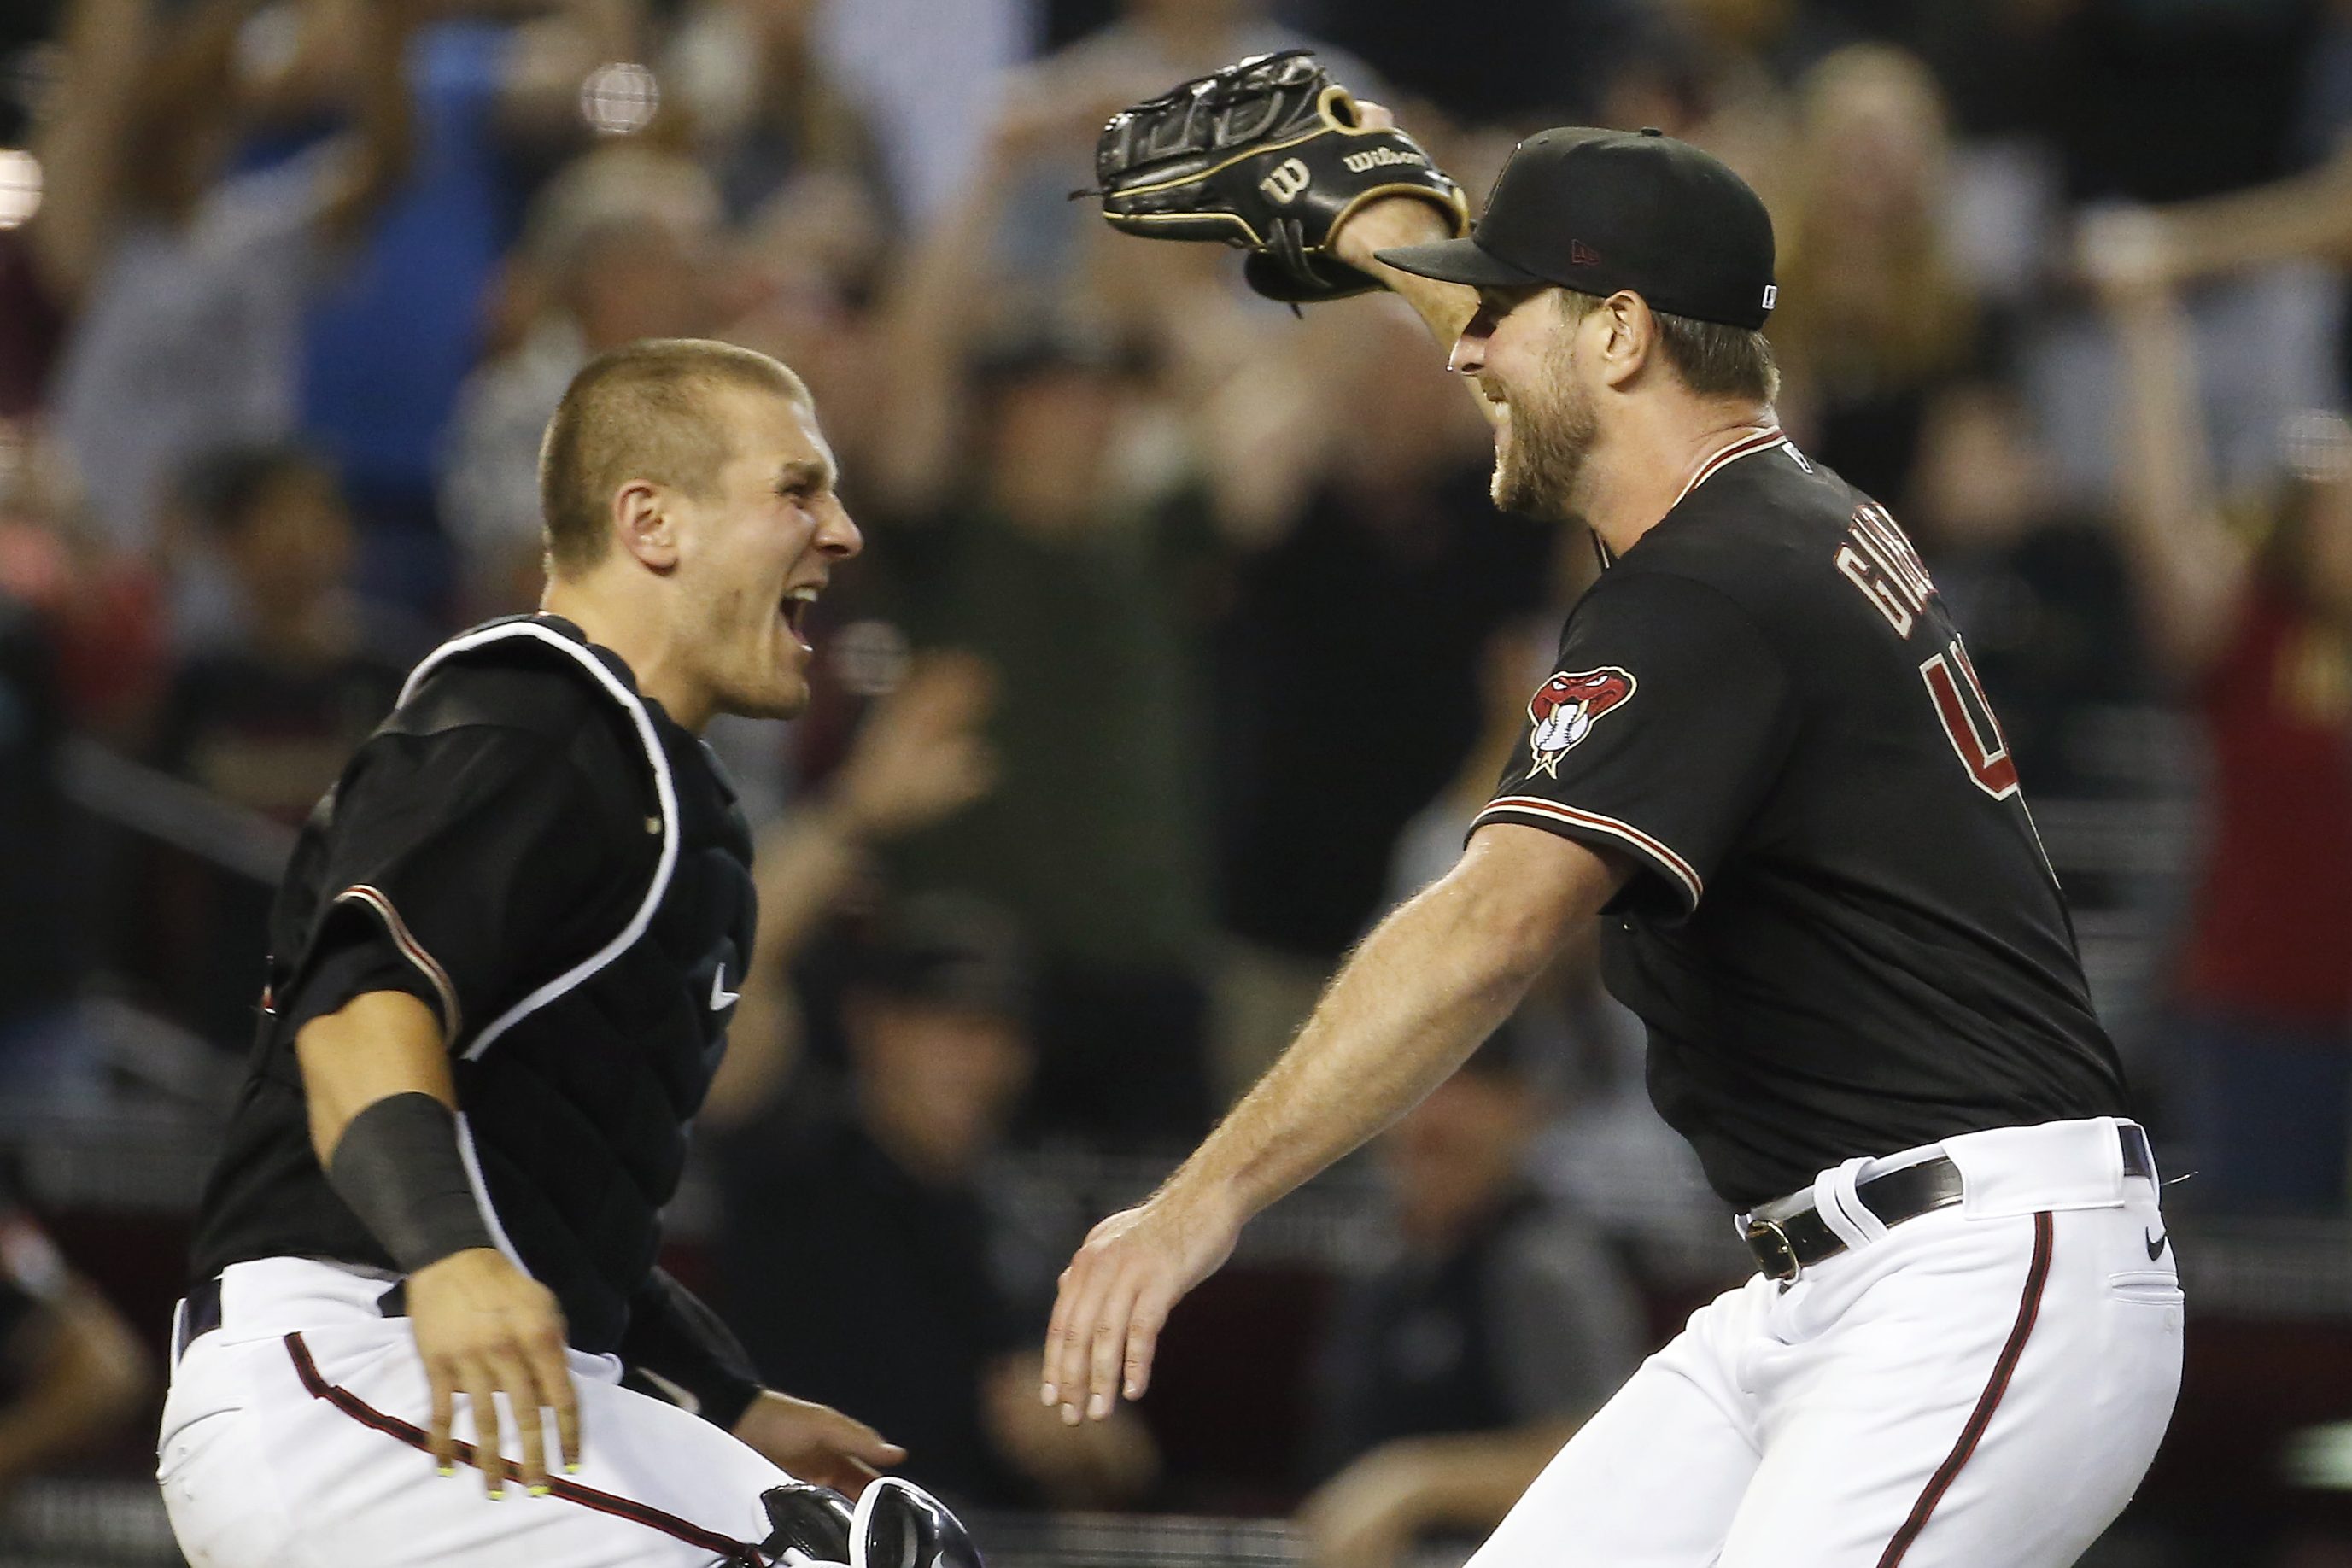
pixel 1271 155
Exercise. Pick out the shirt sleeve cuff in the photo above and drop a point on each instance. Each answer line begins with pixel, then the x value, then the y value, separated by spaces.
pixel 348 970
pixel 1650 852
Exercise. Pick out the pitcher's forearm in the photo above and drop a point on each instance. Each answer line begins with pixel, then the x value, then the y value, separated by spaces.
pixel 1422 992
pixel 1445 308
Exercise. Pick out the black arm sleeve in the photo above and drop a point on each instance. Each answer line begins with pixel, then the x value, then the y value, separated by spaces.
pixel 398 1167
pixel 678 1340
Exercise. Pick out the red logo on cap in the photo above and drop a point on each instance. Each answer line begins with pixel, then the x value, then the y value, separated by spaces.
pixel 1582 255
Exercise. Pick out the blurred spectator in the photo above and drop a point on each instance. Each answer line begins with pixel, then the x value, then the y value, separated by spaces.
pixel 1871 318
pixel 265 719
pixel 102 605
pixel 189 287
pixel 616 246
pixel 2166 101
pixel 1557 70
pixel 2305 216
pixel 916 757
pixel 1356 619
pixel 764 107
pixel 1457 1371
pixel 42 948
pixel 1513 662
pixel 881 1274
pixel 2045 596
pixel 72 1370
pixel 925 72
pixel 1155 44
pixel 2261 634
pixel 32 328
pixel 1079 593
pixel 388 340
pixel 338 289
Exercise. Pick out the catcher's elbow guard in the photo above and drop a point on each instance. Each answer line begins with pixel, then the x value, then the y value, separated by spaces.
pixel 895 1524
pixel 1270 155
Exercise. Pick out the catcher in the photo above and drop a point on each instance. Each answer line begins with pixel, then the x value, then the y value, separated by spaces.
pixel 505 955
pixel 1766 765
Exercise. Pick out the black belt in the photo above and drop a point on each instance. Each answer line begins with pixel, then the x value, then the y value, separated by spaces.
pixel 1787 1246
pixel 200 1312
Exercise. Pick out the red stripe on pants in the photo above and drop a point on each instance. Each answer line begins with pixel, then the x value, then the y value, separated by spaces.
pixel 2028 1309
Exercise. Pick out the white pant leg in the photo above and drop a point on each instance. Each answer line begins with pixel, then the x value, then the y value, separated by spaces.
pixel 261 1471
pixel 1654 1479
pixel 223 1512
pixel 1900 1404
pixel 1937 1401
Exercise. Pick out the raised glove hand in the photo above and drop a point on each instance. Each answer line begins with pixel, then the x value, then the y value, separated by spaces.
pixel 1271 155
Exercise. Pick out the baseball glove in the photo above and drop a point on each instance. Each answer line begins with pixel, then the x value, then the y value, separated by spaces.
pixel 1270 155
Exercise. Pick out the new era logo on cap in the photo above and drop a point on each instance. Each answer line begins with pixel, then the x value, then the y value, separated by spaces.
pixel 1771 295
pixel 1582 255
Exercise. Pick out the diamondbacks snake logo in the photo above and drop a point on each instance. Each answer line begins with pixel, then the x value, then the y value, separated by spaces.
pixel 1565 707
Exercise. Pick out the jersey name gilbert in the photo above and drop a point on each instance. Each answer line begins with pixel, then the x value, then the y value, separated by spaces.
pixel 1878 559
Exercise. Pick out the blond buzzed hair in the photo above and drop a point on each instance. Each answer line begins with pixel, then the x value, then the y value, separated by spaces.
pixel 641 411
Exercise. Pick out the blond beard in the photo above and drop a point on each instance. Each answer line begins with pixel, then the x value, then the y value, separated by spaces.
pixel 1541 472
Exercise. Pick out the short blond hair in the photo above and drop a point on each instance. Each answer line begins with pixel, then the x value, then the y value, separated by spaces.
pixel 641 411
pixel 1713 358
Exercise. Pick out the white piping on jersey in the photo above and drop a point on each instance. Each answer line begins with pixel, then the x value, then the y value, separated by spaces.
pixel 1744 447
pixel 570 979
pixel 1537 806
pixel 452 1018
pixel 473 1163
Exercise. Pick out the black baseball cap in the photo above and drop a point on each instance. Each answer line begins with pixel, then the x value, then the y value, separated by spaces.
pixel 1597 211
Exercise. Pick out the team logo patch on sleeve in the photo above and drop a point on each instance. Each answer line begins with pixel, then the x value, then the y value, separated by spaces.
pixel 1565 707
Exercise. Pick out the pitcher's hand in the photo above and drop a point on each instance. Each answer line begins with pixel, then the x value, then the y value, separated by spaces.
pixel 1117 1293
pixel 485 1328
pixel 1384 221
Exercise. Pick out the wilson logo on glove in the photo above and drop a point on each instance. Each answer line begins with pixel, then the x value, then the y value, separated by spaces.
pixel 1380 157
pixel 1288 179
pixel 1270 155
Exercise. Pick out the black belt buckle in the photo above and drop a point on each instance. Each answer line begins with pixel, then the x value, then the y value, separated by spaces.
pixel 1775 1255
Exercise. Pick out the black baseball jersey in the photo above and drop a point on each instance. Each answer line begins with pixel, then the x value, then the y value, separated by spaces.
pixel 541 856
pixel 1842 931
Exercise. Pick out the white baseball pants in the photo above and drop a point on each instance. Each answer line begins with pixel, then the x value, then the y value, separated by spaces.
pixel 292 1438
pixel 1982 1386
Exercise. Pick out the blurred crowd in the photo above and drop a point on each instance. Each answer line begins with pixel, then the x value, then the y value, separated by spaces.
pixel 1186 641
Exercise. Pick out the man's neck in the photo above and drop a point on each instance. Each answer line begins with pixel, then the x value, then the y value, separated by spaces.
pixel 640 636
pixel 1641 470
